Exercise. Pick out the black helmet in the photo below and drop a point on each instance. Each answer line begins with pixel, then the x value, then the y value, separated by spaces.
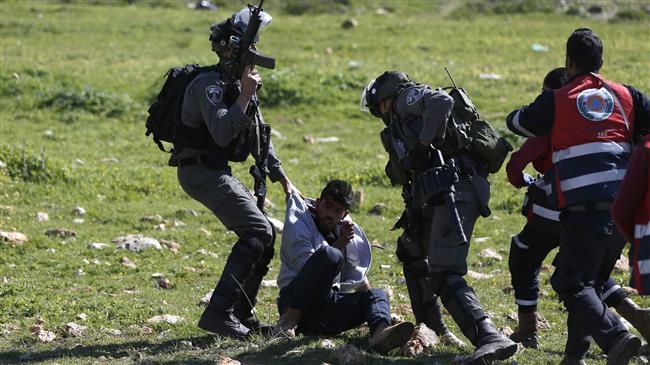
pixel 383 87
pixel 222 33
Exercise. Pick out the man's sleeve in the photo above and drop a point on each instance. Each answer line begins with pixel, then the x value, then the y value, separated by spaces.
pixel 641 111
pixel 535 119
pixel 532 149
pixel 629 198
pixel 296 237
pixel 223 122
pixel 433 106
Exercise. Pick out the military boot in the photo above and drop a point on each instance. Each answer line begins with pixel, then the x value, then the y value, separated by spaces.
pixel 222 322
pixel 219 316
pixel 465 308
pixel 491 345
pixel 637 316
pixel 244 307
pixel 623 348
pixel 526 332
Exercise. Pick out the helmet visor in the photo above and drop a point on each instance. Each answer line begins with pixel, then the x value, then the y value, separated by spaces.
pixel 363 103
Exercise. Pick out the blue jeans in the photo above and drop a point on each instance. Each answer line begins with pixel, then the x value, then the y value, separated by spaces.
pixel 326 311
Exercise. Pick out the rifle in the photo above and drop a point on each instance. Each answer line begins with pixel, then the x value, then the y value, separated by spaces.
pixel 439 182
pixel 260 169
pixel 245 55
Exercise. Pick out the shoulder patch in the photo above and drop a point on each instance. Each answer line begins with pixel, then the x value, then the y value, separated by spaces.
pixel 214 94
pixel 414 96
pixel 595 104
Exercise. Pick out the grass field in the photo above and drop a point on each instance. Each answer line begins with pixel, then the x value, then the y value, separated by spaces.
pixel 75 83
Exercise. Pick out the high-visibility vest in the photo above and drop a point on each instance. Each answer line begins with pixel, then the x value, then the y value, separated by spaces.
pixel 590 140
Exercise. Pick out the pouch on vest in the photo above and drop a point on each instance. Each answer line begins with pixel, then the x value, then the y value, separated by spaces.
pixel 394 170
pixel 486 144
pixel 464 108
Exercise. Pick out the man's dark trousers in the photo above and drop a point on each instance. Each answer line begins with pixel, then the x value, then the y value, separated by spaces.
pixel 326 311
pixel 589 248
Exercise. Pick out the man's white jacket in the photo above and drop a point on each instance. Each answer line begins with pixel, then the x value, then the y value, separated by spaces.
pixel 301 238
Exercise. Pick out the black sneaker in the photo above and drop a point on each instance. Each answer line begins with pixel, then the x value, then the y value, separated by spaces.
pixel 223 323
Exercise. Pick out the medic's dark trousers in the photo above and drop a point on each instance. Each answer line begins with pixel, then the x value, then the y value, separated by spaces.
pixel 326 311
pixel 531 246
pixel 589 248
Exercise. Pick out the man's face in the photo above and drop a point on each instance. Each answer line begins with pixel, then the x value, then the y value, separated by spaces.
pixel 329 213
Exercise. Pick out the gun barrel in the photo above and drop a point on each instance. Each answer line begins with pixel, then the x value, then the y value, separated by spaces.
pixel 454 219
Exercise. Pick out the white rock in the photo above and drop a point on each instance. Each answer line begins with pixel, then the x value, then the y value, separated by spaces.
pixel 166 318
pixel 480 239
pixel 622 264
pixel 490 76
pixel 80 272
pixel 82 316
pixel 332 139
pixel 276 133
pixel 478 276
pixel 51 250
pixel 60 232
pixel 97 246
pixel 110 160
pixel 3 165
pixel 111 331
pixel 490 253
pixel 79 211
pixel 327 344
pixel 205 231
pixel 277 224
pixel 13 237
pixel 205 252
pixel 160 227
pixel 348 355
pixel 178 223
pixel 128 263
pixel 42 217
pixel 389 292
pixel 425 335
pixel 49 133
pixel 136 242
pixel 75 330
pixel 385 267
pixel 78 221
pixel 206 297
pixel 45 336
pixel 269 283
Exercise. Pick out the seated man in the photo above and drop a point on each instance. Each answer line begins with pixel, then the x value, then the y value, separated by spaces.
pixel 322 249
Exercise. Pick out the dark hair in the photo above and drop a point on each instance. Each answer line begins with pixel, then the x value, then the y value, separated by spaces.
pixel 585 49
pixel 556 78
pixel 340 191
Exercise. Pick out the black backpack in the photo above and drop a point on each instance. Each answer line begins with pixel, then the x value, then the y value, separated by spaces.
pixel 164 119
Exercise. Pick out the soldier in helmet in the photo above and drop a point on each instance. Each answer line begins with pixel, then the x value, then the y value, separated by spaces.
pixel 419 125
pixel 220 109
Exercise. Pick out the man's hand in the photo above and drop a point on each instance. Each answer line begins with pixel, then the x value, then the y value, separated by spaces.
pixel 346 235
pixel 249 81
pixel 289 188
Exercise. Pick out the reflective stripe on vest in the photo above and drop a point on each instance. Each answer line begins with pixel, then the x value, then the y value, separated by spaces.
pixel 549 214
pixel 642 231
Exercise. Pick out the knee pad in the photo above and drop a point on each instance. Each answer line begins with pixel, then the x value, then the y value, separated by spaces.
pixel 250 248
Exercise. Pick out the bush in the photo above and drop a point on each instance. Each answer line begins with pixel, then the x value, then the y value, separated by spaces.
pixel 91 101
pixel 26 165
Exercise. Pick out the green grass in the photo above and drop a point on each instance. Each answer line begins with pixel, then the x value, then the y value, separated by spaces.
pixel 76 80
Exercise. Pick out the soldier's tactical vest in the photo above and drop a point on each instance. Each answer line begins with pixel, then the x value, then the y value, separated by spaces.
pixel 590 141
pixel 641 244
